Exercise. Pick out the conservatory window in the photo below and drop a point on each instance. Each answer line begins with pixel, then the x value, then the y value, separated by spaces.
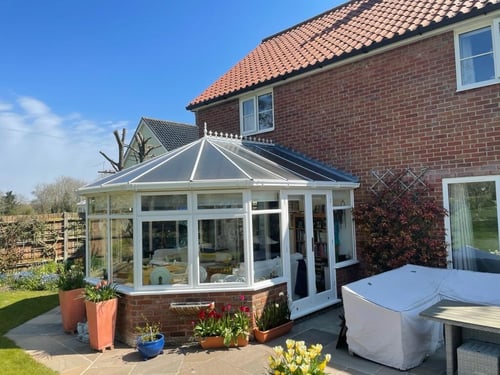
pixel 98 205
pixel 121 204
pixel 122 245
pixel 98 249
pixel 175 202
pixel 221 250
pixel 267 246
pixel 343 228
pixel 165 252
pixel 219 201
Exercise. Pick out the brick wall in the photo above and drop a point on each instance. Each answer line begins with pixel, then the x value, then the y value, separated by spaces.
pixel 178 328
pixel 394 110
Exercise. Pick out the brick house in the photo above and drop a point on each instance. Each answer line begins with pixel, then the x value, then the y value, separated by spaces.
pixel 371 85
pixel 377 85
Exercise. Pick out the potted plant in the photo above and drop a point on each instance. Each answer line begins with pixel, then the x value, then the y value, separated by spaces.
pixel 150 340
pixel 228 327
pixel 101 304
pixel 70 283
pixel 298 359
pixel 274 320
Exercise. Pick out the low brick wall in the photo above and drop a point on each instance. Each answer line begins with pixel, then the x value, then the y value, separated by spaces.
pixel 178 328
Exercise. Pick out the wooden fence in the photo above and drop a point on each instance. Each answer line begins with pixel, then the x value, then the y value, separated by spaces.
pixel 29 240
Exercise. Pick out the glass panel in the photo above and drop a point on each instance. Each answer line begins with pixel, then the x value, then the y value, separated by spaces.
pixel 221 254
pixel 265 103
pixel 217 201
pixel 267 247
pixel 164 202
pixel 265 200
pixel 476 56
pixel 98 205
pixel 121 203
pixel 474 226
pixel 298 250
pixel 248 115
pixel 165 252
pixel 341 198
pixel 344 247
pixel 320 244
pixel 122 246
pixel 98 249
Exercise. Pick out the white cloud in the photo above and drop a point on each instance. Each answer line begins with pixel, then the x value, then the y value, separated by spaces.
pixel 40 145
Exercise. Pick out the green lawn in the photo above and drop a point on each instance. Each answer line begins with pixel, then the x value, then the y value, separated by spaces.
pixel 17 307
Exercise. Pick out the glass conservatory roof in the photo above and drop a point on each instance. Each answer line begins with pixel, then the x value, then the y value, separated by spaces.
pixel 218 161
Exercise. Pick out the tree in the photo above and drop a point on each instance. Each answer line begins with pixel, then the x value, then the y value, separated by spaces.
pixel 60 196
pixel 143 150
pixel 117 165
pixel 8 203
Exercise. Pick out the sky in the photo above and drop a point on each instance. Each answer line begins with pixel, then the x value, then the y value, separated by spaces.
pixel 71 72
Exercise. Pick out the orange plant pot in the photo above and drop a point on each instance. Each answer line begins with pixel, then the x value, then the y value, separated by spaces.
pixel 101 320
pixel 214 342
pixel 72 307
pixel 271 334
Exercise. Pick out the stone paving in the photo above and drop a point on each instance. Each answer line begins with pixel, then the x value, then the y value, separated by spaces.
pixel 44 339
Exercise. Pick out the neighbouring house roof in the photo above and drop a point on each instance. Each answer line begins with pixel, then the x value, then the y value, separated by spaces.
pixel 172 134
pixel 353 28
pixel 224 162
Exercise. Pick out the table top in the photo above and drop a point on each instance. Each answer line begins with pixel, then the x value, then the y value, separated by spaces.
pixel 462 314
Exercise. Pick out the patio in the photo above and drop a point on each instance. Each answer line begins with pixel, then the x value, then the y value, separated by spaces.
pixel 44 339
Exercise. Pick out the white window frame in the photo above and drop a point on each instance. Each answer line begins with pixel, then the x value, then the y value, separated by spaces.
pixel 255 129
pixel 494 25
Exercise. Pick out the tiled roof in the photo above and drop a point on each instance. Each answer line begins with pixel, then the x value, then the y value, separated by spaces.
pixel 172 134
pixel 349 29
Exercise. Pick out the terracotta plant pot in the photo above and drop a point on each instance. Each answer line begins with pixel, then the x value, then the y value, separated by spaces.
pixel 101 318
pixel 72 307
pixel 215 342
pixel 272 333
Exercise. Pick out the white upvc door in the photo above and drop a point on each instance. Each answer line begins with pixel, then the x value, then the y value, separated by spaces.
pixel 310 240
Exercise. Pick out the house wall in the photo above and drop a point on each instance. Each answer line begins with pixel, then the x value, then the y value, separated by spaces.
pixel 393 110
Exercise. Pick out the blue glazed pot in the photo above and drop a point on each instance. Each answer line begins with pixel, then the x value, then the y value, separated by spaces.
pixel 150 349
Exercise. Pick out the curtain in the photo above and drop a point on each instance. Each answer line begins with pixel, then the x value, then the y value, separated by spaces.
pixel 462 234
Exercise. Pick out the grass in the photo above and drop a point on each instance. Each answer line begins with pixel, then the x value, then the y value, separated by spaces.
pixel 17 307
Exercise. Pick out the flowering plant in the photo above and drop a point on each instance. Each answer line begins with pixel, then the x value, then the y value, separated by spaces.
pixel 71 277
pixel 149 331
pixel 298 359
pixel 230 323
pixel 275 313
pixel 102 291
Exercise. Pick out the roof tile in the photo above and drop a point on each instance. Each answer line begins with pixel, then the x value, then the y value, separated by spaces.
pixel 332 36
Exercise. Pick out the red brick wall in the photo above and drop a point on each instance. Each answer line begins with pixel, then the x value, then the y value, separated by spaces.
pixel 178 328
pixel 394 110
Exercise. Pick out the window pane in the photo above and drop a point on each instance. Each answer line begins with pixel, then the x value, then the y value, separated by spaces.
pixel 474 226
pixel 217 201
pixel 267 247
pixel 248 116
pixel 221 252
pixel 164 202
pixel 342 222
pixel 98 248
pixel 265 200
pixel 98 205
pixel 476 56
pixel 265 111
pixel 165 252
pixel 122 245
pixel 121 203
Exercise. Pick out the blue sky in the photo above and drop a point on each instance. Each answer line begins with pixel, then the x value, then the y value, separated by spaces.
pixel 73 71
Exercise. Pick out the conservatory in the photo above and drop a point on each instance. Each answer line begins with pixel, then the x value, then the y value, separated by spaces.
pixel 213 220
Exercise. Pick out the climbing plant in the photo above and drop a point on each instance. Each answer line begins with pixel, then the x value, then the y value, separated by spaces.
pixel 400 225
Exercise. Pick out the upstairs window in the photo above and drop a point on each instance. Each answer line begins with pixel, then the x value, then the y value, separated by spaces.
pixel 478 56
pixel 256 114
